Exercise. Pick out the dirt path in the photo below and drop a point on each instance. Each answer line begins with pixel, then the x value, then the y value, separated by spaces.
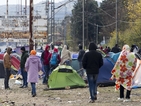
pixel 71 97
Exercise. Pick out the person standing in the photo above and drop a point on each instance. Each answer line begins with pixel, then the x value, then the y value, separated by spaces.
pixel 54 59
pixel 45 60
pixel 22 66
pixel 80 56
pixel 116 49
pixel 65 56
pixel 92 61
pixel 7 66
pixel 123 72
pixel 33 66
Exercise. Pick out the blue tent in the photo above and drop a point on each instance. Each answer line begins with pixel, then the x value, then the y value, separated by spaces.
pixel 105 72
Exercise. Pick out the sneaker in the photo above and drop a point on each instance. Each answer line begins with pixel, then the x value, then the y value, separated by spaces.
pixel 127 100
pixel 91 101
pixel 120 99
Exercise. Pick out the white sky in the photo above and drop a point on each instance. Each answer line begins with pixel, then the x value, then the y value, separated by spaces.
pixel 3 2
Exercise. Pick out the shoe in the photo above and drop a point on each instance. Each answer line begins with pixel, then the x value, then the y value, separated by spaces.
pixel 23 86
pixel 33 95
pixel 95 98
pixel 7 88
pixel 91 101
pixel 120 99
pixel 127 100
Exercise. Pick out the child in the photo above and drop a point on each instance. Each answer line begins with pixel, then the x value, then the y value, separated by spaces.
pixel 33 66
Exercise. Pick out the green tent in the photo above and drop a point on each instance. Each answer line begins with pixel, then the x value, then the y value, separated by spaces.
pixel 65 76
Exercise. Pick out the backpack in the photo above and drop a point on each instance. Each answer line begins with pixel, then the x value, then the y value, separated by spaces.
pixel 54 60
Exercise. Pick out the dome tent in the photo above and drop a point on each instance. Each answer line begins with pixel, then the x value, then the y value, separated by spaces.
pixel 65 76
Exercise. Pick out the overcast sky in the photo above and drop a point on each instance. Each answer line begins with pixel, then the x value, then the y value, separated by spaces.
pixel 3 2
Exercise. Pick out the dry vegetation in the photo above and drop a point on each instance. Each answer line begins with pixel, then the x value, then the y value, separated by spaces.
pixel 71 97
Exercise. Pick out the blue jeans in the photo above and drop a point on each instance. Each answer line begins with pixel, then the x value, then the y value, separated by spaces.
pixel 6 79
pixel 47 72
pixel 33 86
pixel 24 75
pixel 92 78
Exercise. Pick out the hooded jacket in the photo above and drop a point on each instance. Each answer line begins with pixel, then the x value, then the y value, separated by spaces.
pixel 45 56
pixel 92 60
pixel 23 59
pixel 33 66
pixel 65 55
pixel 6 58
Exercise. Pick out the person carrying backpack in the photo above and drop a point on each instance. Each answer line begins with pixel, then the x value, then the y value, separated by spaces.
pixel 54 59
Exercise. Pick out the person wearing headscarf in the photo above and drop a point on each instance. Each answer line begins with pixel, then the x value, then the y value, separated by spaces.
pixel 65 56
pixel 123 72
pixel 7 66
pixel 45 60
pixel 22 66
pixel 92 61
pixel 33 66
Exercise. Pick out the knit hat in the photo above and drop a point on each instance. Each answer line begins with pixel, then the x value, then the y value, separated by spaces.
pixel 33 52
pixel 55 50
pixel 23 48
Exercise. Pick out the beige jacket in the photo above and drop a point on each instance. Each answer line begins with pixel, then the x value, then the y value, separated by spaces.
pixel 6 58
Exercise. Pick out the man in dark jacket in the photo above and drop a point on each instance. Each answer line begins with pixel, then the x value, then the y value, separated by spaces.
pixel 80 56
pixel 22 66
pixel 116 49
pixel 92 61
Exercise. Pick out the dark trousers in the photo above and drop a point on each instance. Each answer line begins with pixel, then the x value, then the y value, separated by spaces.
pixel 7 76
pixel 47 72
pixel 52 67
pixel 122 93
pixel 24 75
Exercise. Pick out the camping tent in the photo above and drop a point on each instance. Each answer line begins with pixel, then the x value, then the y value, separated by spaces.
pixel 14 61
pixel 65 76
pixel 2 71
pixel 105 72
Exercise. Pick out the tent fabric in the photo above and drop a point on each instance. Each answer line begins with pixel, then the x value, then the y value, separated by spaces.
pixel 105 72
pixel 14 61
pixel 2 71
pixel 136 82
pixel 65 76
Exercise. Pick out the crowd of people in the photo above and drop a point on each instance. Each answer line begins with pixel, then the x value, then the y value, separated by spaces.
pixel 91 61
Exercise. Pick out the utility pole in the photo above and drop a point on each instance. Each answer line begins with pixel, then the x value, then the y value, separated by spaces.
pixel 47 13
pixel 21 7
pixel 31 43
pixel 116 22
pixel 7 9
pixel 52 20
pixel 83 20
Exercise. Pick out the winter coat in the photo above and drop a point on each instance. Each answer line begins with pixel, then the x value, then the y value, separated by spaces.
pixel 92 60
pixel 65 55
pixel 45 56
pixel 6 59
pixel 23 59
pixel 33 66
pixel 80 55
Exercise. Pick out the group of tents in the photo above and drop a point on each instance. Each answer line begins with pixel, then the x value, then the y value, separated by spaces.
pixel 70 76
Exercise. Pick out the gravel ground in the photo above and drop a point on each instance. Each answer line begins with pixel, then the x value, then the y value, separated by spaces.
pixel 65 97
